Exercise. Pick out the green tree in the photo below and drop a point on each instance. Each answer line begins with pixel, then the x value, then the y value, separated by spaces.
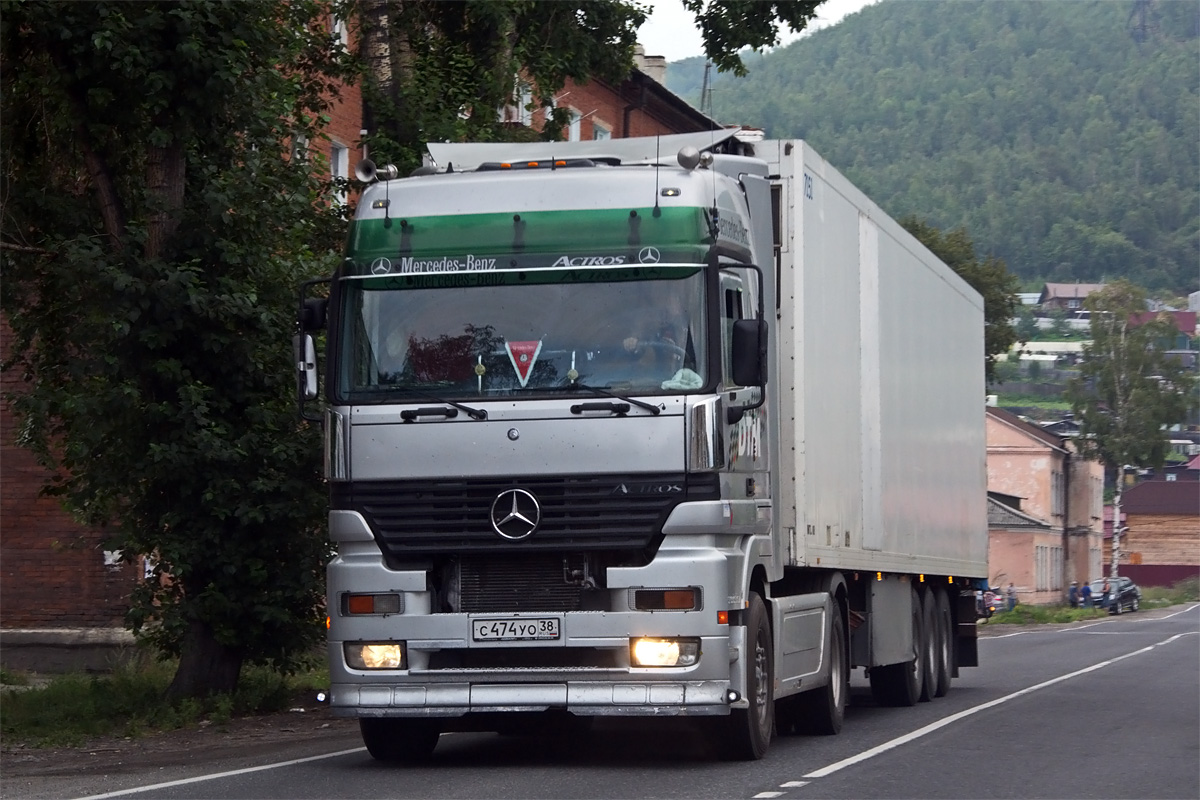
pixel 439 70
pixel 154 229
pixel 1128 389
pixel 731 25
pixel 990 277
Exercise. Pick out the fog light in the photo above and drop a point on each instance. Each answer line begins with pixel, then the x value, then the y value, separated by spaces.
pixel 374 655
pixel 664 652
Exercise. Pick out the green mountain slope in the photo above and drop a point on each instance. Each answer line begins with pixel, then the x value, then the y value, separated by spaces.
pixel 1065 136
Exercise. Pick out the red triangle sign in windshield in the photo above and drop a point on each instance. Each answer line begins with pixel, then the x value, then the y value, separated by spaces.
pixel 523 355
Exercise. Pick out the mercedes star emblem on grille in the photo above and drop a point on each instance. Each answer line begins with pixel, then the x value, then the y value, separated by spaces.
pixel 515 514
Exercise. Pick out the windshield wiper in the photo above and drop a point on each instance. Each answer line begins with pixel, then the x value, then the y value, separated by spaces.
pixel 653 409
pixel 409 416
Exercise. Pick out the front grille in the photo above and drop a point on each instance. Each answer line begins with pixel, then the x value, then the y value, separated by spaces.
pixel 535 582
pixel 579 512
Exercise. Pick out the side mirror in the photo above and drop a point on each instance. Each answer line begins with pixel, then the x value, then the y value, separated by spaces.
pixel 749 352
pixel 306 367
pixel 312 313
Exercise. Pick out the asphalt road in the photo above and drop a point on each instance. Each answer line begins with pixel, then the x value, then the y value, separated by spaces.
pixel 1100 710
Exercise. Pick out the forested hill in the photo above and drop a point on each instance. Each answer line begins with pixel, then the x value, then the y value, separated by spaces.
pixel 1064 136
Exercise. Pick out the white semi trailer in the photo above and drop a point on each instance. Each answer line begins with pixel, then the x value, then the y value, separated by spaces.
pixel 678 426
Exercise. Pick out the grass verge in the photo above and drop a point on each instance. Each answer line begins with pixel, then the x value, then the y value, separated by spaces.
pixel 69 709
pixel 1187 591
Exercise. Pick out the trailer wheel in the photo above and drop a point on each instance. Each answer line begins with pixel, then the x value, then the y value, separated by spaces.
pixel 404 741
pixel 945 648
pixel 822 710
pixel 900 684
pixel 929 645
pixel 748 730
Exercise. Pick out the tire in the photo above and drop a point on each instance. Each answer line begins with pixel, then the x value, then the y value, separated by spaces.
pixel 929 646
pixel 900 684
pixel 400 741
pixel 747 731
pixel 821 711
pixel 1114 607
pixel 945 643
pixel 1136 604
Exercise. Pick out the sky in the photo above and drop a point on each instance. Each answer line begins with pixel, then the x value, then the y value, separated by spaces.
pixel 670 30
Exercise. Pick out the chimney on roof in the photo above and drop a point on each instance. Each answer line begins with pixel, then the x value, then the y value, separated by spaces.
pixel 653 66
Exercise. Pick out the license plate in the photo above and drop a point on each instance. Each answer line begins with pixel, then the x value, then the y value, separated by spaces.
pixel 514 630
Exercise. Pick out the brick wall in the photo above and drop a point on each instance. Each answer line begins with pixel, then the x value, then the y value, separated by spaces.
pixel 52 571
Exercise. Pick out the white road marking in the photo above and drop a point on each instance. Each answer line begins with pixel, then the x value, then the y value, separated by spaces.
pixel 793 784
pixel 930 728
pixel 215 776
pixel 769 794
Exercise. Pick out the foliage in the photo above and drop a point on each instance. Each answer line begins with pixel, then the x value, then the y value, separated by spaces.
pixel 990 277
pixel 1128 389
pixel 1185 591
pixel 731 25
pixel 69 709
pixel 1024 614
pixel 446 71
pixel 442 71
pixel 154 229
pixel 1069 148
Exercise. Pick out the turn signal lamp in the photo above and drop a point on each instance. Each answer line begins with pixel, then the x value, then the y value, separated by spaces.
pixel 374 655
pixel 664 652
pixel 666 599
pixel 372 604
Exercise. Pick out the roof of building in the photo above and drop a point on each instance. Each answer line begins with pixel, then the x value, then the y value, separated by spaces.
pixel 1163 497
pixel 1067 291
pixel 1185 321
pixel 1034 431
pixel 1003 516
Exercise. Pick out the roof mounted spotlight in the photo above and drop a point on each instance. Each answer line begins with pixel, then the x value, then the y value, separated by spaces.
pixel 366 171
pixel 689 157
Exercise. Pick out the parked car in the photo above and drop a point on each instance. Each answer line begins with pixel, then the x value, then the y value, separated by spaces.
pixel 1124 595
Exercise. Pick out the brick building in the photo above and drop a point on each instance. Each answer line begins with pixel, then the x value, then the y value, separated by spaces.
pixel 60 592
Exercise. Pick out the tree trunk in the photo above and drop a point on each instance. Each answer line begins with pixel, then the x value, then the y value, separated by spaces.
pixel 205 665
pixel 165 172
pixel 1117 528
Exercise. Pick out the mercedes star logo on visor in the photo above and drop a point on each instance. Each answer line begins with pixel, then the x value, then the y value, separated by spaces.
pixel 515 514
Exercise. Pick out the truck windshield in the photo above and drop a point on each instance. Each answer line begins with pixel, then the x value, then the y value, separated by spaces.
pixel 490 334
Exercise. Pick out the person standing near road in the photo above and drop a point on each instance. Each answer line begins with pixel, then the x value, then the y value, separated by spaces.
pixel 1010 594
pixel 1073 595
pixel 1105 594
pixel 1085 596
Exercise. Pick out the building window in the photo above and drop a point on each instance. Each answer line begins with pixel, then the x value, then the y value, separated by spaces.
pixel 300 148
pixel 340 31
pixel 520 111
pixel 600 132
pixel 339 168
pixel 1056 494
pixel 574 126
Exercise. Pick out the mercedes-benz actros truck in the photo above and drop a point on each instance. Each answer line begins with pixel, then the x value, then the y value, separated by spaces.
pixel 681 426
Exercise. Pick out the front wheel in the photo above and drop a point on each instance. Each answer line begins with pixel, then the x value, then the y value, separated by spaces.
pixel 748 730
pixel 1136 604
pixel 822 710
pixel 405 741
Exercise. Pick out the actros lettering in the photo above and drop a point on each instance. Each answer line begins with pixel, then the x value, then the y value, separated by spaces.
pixel 589 261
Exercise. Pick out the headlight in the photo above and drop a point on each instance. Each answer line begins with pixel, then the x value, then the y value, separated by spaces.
pixel 664 652
pixel 374 655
